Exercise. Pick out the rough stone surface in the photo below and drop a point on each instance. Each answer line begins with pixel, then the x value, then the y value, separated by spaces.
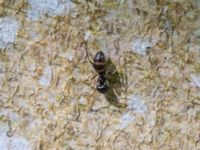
pixel 8 27
pixel 48 99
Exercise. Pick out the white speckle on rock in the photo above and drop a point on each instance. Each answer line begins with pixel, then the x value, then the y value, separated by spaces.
pixel 35 36
pixel 69 55
pixel 19 143
pixel 197 33
pixel 72 144
pixel 196 3
pixel 140 46
pixel 45 79
pixel 40 8
pixel 14 143
pixel 125 120
pixel 8 29
pixel 136 104
pixel 195 81
pixel 88 36
pixel 130 4
pixel 3 138
pixel 77 74
pixel 111 15
pixel 191 15
pixel 194 47
pixel 15 117
pixel 83 101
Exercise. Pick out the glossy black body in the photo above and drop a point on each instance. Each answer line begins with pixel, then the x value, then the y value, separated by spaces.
pixel 102 84
pixel 100 67
pixel 99 62
pixel 99 57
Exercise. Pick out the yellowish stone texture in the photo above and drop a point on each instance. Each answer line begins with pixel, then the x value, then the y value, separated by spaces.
pixel 48 96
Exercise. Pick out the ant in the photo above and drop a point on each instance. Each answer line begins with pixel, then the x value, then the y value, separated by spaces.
pixel 108 77
pixel 100 67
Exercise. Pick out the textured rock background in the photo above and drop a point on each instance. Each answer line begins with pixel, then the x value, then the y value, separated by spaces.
pixel 46 85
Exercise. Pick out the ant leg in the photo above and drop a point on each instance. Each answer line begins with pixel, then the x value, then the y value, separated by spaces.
pixel 90 97
pixel 94 77
pixel 91 102
pixel 88 53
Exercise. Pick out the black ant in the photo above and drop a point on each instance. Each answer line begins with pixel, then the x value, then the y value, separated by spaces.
pixel 108 78
pixel 100 67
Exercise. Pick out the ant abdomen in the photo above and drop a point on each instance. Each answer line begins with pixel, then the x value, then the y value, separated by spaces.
pixel 102 84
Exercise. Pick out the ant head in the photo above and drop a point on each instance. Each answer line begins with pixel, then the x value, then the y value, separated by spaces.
pixel 99 57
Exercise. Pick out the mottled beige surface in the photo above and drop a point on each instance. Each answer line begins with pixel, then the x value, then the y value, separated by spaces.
pixel 48 99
